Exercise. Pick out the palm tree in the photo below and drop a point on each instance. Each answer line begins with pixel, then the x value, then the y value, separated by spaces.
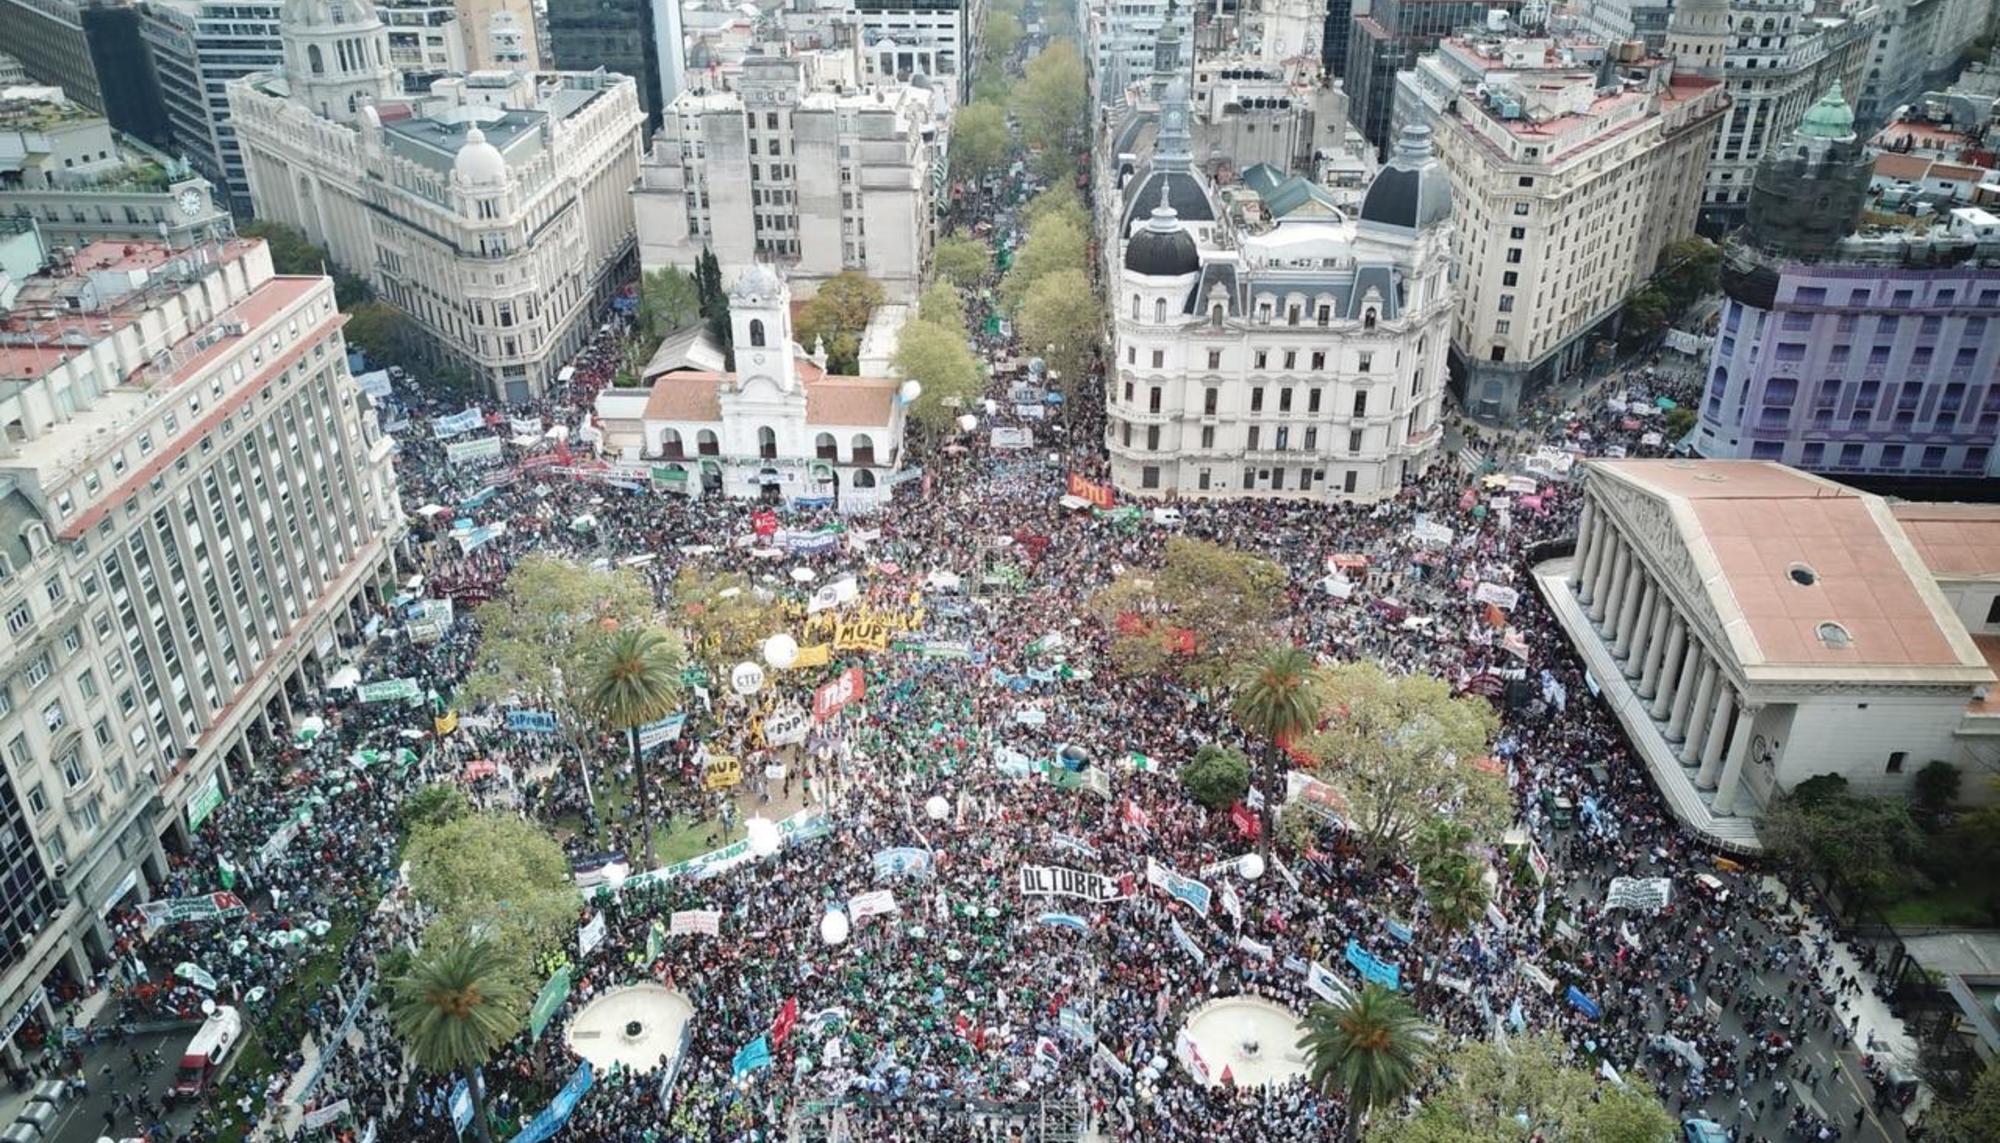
pixel 1276 697
pixel 634 679
pixel 458 1004
pixel 1367 1049
pixel 1455 888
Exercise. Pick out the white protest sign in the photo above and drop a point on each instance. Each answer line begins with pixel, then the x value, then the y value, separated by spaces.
pixel 1057 881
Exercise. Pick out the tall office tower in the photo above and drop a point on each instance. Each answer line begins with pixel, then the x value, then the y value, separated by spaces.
pixel 198 47
pixel 616 35
pixel 47 37
pixel 126 80
pixel 1387 37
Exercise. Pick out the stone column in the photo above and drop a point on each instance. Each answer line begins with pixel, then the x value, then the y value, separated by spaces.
pixel 1581 559
pixel 1600 558
pixel 1697 713
pixel 1656 642
pixel 1732 769
pixel 1672 664
pixel 1630 596
pixel 1717 737
pixel 1642 629
pixel 1605 601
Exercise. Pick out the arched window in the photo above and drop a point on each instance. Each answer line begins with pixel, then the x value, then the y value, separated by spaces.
pixel 863 449
pixel 1215 315
pixel 706 443
pixel 315 59
pixel 1135 307
pixel 756 333
pixel 825 448
pixel 1368 318
pixel 864 479
pixel 767 442
pixel 1159 311
pixel 670 443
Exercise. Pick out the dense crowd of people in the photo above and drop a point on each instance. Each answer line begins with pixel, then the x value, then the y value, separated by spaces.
pixel 969 1011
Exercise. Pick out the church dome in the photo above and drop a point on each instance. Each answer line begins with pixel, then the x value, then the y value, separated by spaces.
pixel 1830 118
pixel 1412 191
pixel 328 13
pixel 1162 253
pixel 479 163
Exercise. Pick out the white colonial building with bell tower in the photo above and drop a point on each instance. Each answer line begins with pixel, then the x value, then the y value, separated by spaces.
pixel 778 427
pixel 495 211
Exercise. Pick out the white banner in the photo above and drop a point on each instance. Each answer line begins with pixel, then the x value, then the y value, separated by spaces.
pixel 590 936
pixel 1644 894
pixel 1009 439
pixel 1503 598
pixel 444 428
pixel 1057 881
pixel 480 450
pixel 840 591
pixel 787 726
pixel 525 426
pixel 321 1116
pixel 1538 978
pixel 706 922
pixel 1432 534
pixel 873 903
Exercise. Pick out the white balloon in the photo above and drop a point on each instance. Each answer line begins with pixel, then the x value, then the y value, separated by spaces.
pixel 747 678
pixel 937 809
pixel 763 836
pixel 967 423
pixel 910 390
pixel 781 650
pixel 1250 866
pixel 990 405
pixel 833 928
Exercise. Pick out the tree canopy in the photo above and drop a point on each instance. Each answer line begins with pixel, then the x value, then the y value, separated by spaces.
pixel 1053 244
pixel 1192 618
pixel 293 253
pixel 1871 845
pixel 940 304
pixel 836 315
pixel 669 302
pixel 1402 750
pixel 1050 101
pixel 962 261
pixel 1216 776
pixel 940 358
pixel 1483 1086
pixel 494 876
pixel 979 140
pixel 726 616
pixel 537 636
pixel 1059 320
pixel 385 333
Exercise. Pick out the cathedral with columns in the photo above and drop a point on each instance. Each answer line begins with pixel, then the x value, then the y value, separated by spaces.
pixel 1753 626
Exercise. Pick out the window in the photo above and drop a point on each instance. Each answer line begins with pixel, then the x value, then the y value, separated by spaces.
pixel 1214 359
pixel 72 640
pixel 1364 362
pixel 1361 404
pixel 1149 476
pixel 1354 440
pixel 1152 438
pixel 1207 437
pixel 1896 761
pixel 1291 360
pixel 1159 361
pixel 1258 359
pixel 756 332
pixel 1257 399
pixel 1209 397
pixel 19 619
pixel 1251 441
pixel 38 798
pixel 72 768
pixel 1285 400
pixel 38 671
pixel 1347 481
pixel 54 716
pixel 1312 400
pixel 1318 360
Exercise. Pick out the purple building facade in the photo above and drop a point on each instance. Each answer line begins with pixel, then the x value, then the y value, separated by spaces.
pixel 1849 368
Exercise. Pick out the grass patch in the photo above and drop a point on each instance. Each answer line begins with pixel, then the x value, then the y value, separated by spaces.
pixel 679 840
pixel 1946 906
pixel 256 1060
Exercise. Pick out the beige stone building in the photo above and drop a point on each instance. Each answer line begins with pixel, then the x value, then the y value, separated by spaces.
pixel 195 513
pixel 1571 169
pixel 496 212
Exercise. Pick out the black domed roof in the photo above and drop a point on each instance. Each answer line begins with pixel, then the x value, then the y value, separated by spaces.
pixel 1413 190
pixel 1162 253
pixel 1184 193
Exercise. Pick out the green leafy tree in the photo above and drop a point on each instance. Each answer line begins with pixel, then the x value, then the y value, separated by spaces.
pixel 1053 245
pixel 1935 791
pixel 1403 749
pixel 1216 777
pixel 1298 827
pixel 1000 37
pixel 1050 101
pixel 1645 316
pixel 962 261
pixel 727 618
pixel 457 1005
pixel 497 877
pixel 1974 842
pixel 669 302
pixel 1369 1051
pixel 1437 841
pixel 1679 421
pixel 979 141
pixel 1058 201
pixel 429 807
pixel 1059 319
pixel 837 314
pixel 539 635
pixel 1226 601
pixel 385 333
pixel 1870 845
pixel 292 253
pixel 1275 696
pixel 1974 1119
pixel 1524 1090
pixel 1687 273
pixel 940 305
pixel 634 679
pixel 942 360
pixel 714 302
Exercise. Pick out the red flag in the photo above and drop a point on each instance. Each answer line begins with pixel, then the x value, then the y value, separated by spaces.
pixel 1246 821
pixel 764 523
pixel 1136 816
pixel 788 1018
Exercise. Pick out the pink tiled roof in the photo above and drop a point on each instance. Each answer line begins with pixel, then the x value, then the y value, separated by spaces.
pixel 686 397
pixel 1958 540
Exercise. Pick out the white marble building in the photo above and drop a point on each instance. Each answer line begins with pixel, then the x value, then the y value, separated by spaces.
pixel 1754 626
pixel 496 212
pixel 779 428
